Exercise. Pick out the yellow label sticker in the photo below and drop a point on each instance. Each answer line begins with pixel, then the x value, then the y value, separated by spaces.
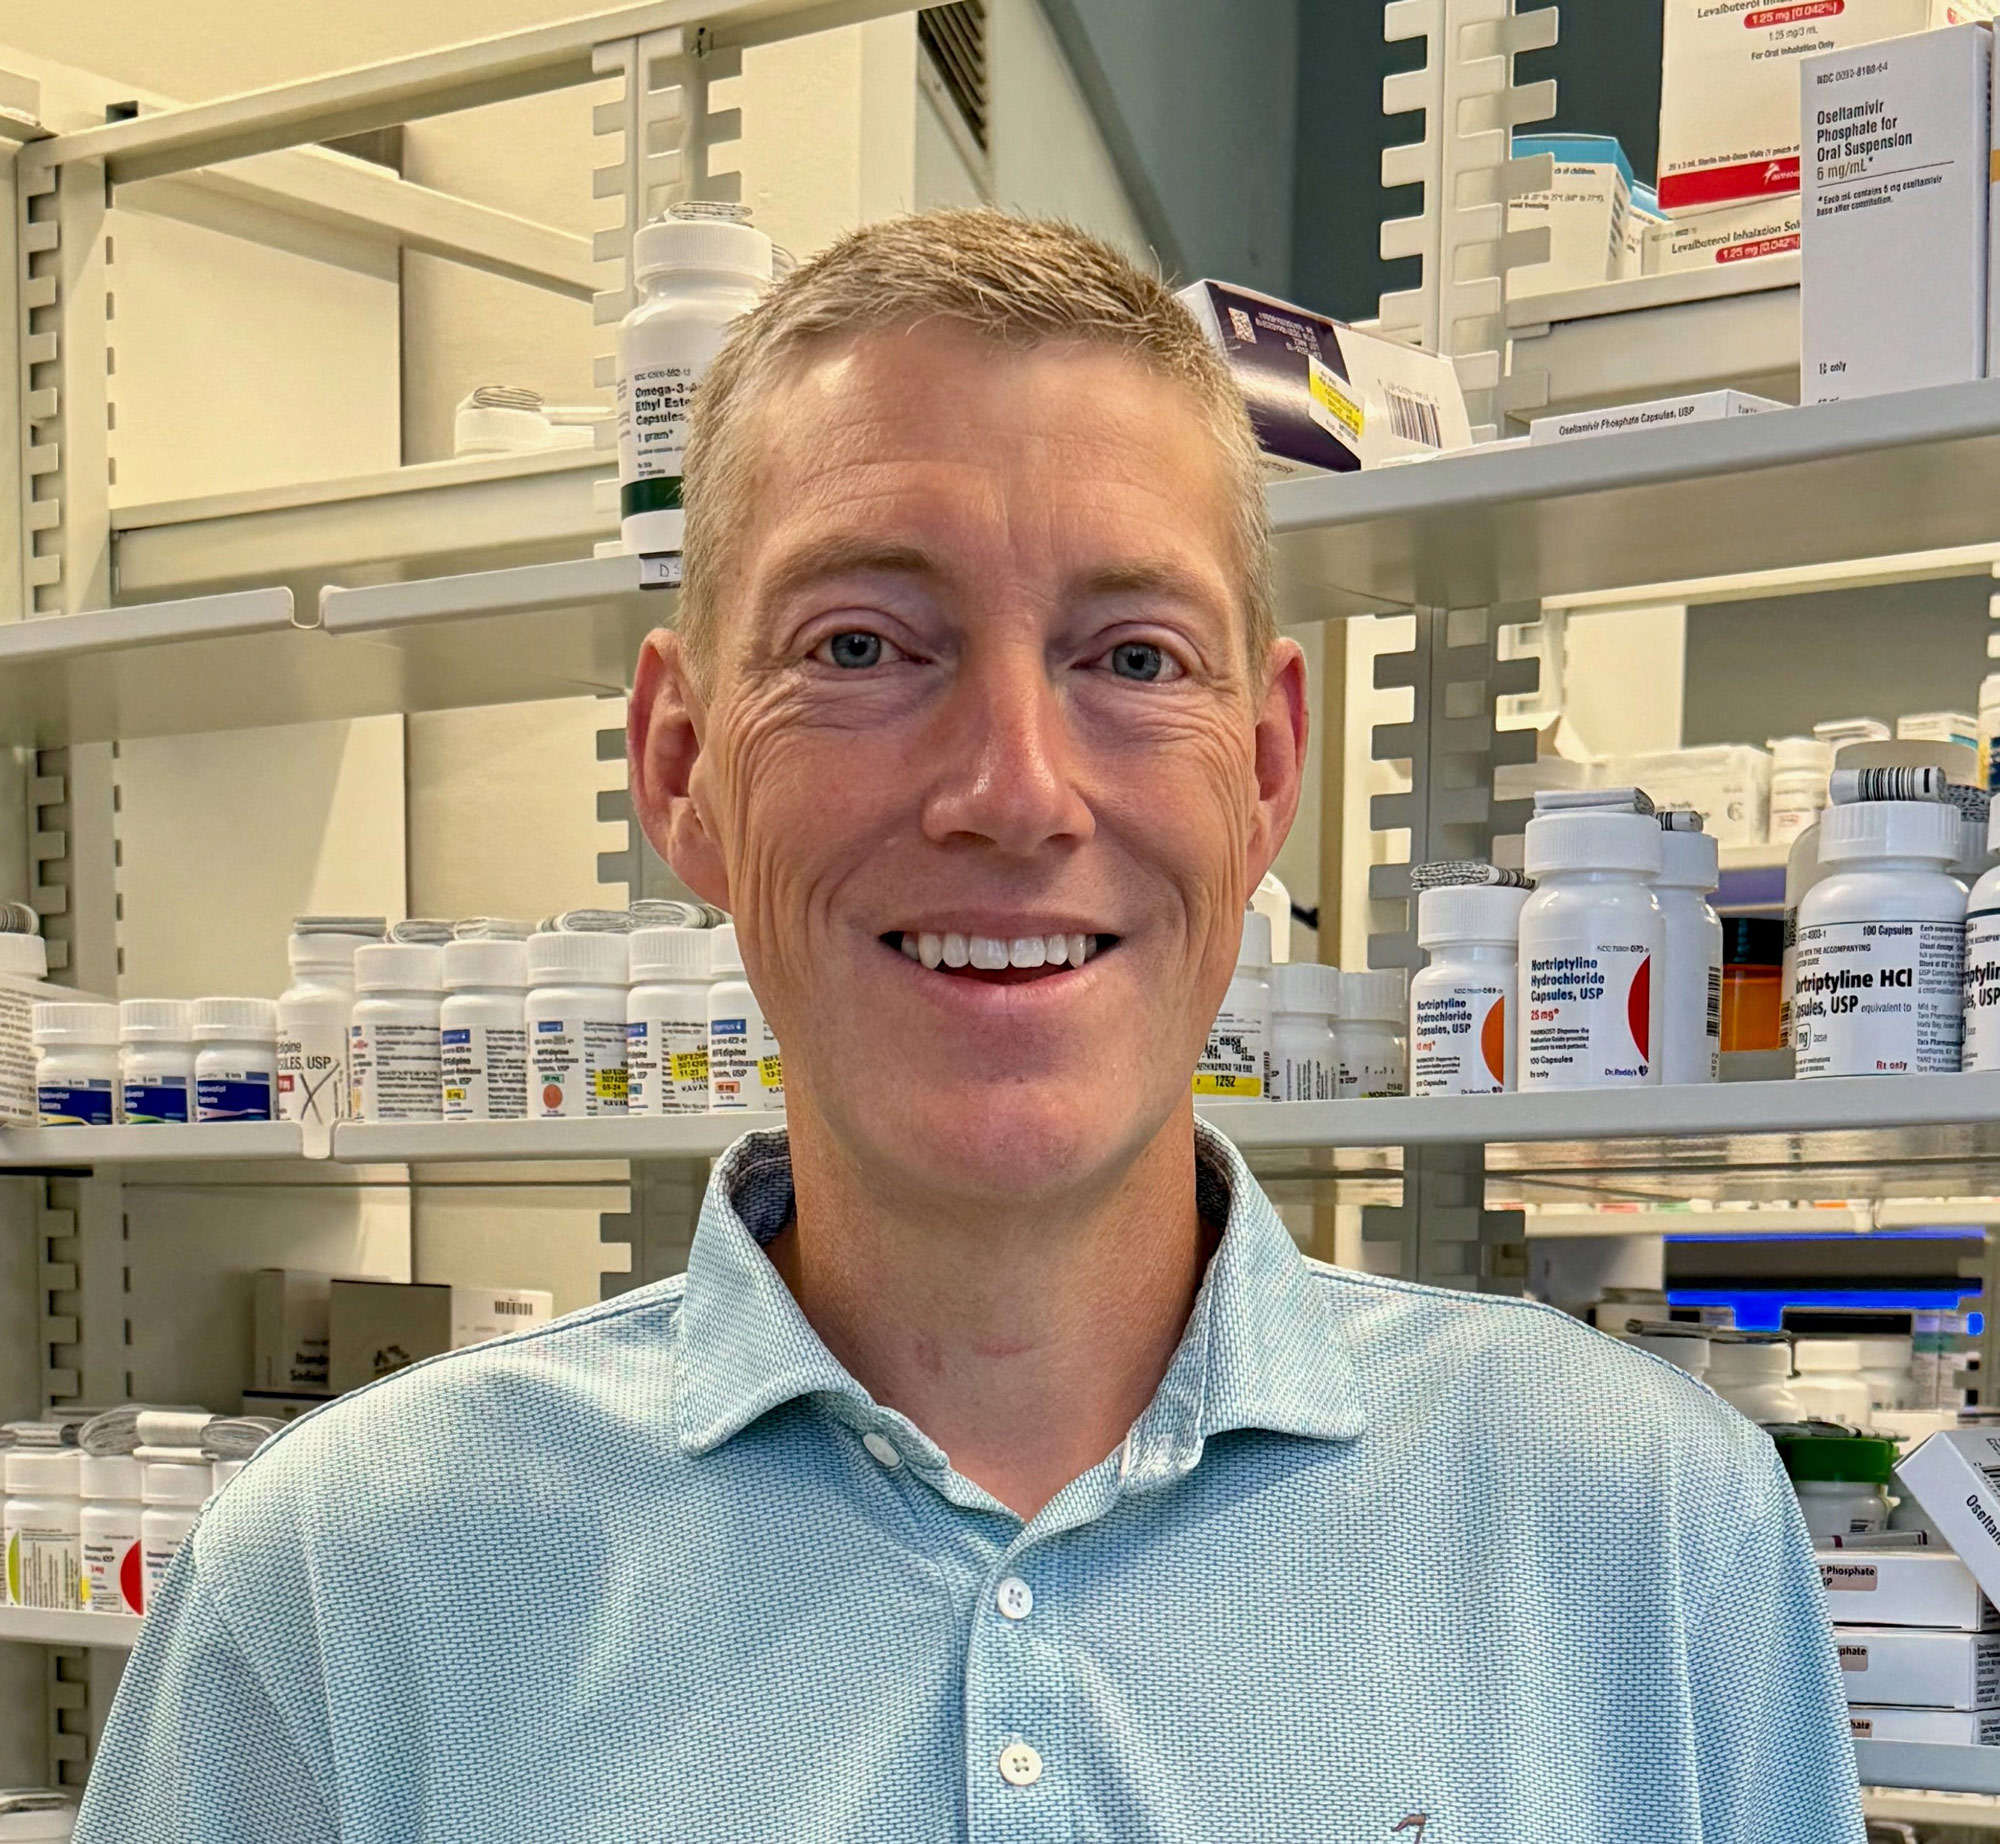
pixel 611 1084
pixel 1241 1087
pixel 1326 392
pixel 688 1065
pixel 771 1071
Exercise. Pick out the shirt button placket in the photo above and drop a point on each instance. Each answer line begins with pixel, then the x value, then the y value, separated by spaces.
pixel 1013 1710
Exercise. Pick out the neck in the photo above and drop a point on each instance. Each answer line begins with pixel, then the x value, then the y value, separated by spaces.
pixel 1025 1341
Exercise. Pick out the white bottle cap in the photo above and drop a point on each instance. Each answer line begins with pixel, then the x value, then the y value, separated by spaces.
pixel 176 1482
pixel 155 1021
pixel 1689 861
pixel 1253 952
pixel 704 245
pixel 1470 915
pixel 75 1022
pixel 107 1475
pixel 398 966
pixel 220 1020
pixel 485 962
pixel 1592 841
pixel 724 956
pixel 562 958
pixel 669 954
pixel 1379 997
pixel 23 957
pixel 40 1470
pixel 1801 755
pixel 323 953
pixel 1889 829
pixel 1305 987
pixel 1826 1356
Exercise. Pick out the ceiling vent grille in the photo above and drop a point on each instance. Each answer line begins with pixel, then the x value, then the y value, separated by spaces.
pixel 955 38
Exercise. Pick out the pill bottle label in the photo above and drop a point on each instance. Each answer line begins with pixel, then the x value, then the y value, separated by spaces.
pixel 158 1559
pixel 113 1574
pixel 44 1567
pixel 1232 1061
pixel 159 1101
pixel 737 1078
pixel 76 1104
pixel 313 1079
pixel 1878 998
pixel 579 1066
pixel 1588 1016
pixel 395 1071
pixel 667 1060
pixel 1458 1041
pixel 238 1094
pixel 1301 1076
pixel 1369 1078
pixel 653 405
pixel 771 1074
pixel 1982 990
pixel 484 1071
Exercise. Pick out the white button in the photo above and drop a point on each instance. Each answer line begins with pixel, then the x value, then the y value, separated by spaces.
pixel 1020 1765
pixel 882 1448
pixel 1016 1599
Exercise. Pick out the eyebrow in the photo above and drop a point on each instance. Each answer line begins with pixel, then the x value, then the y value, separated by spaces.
pixel 1147 578
pixel 849 557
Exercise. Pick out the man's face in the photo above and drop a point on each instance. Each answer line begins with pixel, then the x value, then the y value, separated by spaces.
pixel 982 685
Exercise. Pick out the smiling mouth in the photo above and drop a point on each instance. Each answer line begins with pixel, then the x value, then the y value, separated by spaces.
pixel 996 959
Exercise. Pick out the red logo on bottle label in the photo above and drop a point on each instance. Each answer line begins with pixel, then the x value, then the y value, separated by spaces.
pixel 1639 1009
pixel 132 1578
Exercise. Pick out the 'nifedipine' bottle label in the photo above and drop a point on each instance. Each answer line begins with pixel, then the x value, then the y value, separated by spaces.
pixel 1458 1039
pixel 1587 1015
pixel 1878 998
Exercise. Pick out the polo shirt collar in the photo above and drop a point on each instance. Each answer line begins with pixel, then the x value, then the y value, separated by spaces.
pixel 1262 1349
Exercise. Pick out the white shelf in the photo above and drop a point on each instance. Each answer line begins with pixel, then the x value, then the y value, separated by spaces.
pixel 45 1148
pixel 31 1626
pixel 1872 478
pixel 674 1136
pixel 1940 1767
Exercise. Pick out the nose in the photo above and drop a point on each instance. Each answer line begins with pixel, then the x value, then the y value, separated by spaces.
pixel 1005 762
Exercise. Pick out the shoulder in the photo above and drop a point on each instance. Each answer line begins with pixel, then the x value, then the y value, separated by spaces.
pixel 1527 1379
pixel 459 1430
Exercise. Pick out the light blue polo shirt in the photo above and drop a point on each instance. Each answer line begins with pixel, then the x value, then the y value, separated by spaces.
pixel 1379 1563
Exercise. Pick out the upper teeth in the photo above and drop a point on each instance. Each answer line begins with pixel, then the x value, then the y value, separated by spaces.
pixel 989 953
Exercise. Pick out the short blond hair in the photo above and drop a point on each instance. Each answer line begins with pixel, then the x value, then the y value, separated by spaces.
pixel 1019 282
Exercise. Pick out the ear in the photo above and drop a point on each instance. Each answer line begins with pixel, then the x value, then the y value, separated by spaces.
pixel 664 721
pixel 1282 725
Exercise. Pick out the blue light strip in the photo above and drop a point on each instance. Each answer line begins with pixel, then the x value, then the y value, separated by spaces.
pixel 1761 1309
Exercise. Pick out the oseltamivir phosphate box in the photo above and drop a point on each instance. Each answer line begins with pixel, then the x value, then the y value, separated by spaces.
pixel 1729 99
pixel 1585 210
pixel 1893 215
pixel 1911 1587
pixel 1908 1665
pixel 1322 397
pixel 1955 1476
pixel 1965 1728
pixel 1661 413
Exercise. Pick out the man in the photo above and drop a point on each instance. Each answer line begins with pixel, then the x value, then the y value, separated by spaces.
pixel 1000 1469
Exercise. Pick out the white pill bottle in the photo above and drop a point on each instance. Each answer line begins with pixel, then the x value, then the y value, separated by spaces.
pixel 1374 1013
pixel 575 1015
pixel 1463 1016
pixel 1235 1062
pixel 1880 981
pixel 666 1021
pixel 746 1068
pixel 1982 960
pixel 1305 1053
pixel 1591 936
pixel 235 1059
pixel 314 1084
pixel 695 271
pixel 1691 959
pixel 483 1031
pixel 392 1036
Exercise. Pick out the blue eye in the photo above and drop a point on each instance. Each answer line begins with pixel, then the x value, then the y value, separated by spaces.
pixel 854 651
pixel 1136 660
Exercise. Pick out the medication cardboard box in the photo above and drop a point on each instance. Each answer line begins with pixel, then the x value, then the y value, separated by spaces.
pixel 1586 212
pixel 288 1331
pixel 375 1327
pixel 1728 234
pixel 1324 398
pixel 1955 1476
pixel 1893 252
pixel 1662 413
pixel 1966 1728
pixel 1729 99
pixel 1907 1665
pixel 1925 1587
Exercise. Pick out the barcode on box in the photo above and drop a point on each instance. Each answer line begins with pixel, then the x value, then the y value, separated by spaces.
pixel 520 1309
pixel 1414 419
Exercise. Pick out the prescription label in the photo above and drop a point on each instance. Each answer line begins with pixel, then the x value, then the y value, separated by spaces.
pixel 1232 1061
pixel 44 1567
pixel 1982 990
pixel 237 1094
pixel 395 1071
pixel 1878 998
pixel 484 1072
pixel 160 1103
pixel 1587 1015
pixel 76 1104
pixel 1458 1040
pixel 667 1061
pixel 653 406
pixel 579 1066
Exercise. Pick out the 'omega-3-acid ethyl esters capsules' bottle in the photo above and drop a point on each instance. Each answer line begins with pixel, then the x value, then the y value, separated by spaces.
pixel 1591 936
